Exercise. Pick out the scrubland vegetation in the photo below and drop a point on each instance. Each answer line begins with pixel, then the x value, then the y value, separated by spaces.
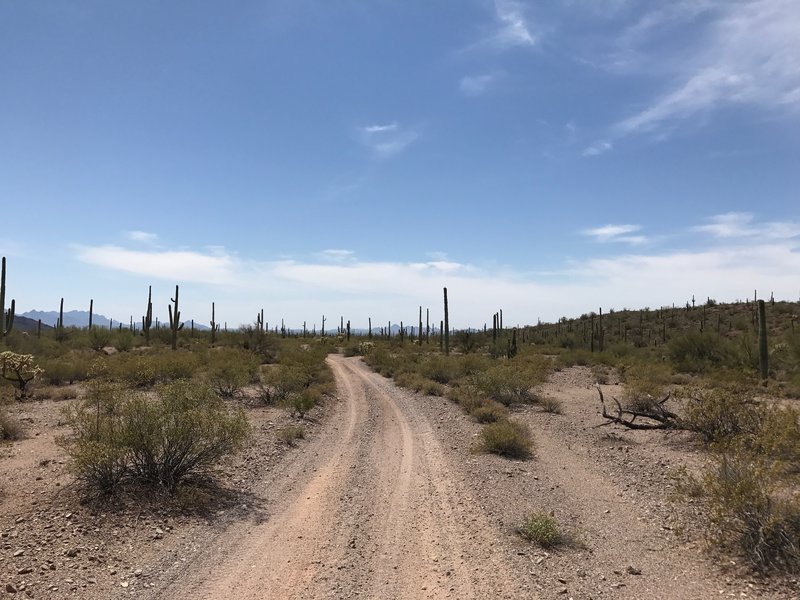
pixel 707 358
pixel 153 411
pixel 145 416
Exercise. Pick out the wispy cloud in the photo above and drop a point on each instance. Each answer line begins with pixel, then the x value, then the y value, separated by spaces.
pixel 509 29
pixel 747 54
pixel 598 148
pixel 513 26
pixel 212 267
pixel 475 85
pixel 387 140
pixel 336 255
pixel 616 233
pixel 142 236
pixel 390 290
pixel 738 225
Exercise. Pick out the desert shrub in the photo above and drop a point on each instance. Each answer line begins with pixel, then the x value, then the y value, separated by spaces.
pixel 99 456
pixel 382 360
pixel 419 383
pixel 69 368
pixel 750 517
pixel 98 338
pixel 123 340
pixel 542 529
pixel 721 414
pixel 511 382
pixel 289 435
pixel 10 428
pixel 696 352
pixel 301 404
pixel 508 438
pixel 601 373
pixel 120 435
pixel 229 370
pixel 442 369
pixel 551 405
pixel 184 432
pixel 645 384
pixel 20 370
pixel 489 411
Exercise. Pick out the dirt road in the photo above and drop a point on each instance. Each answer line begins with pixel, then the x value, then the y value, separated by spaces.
pixel 370 509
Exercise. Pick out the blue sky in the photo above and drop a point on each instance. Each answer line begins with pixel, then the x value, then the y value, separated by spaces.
pixel 352 158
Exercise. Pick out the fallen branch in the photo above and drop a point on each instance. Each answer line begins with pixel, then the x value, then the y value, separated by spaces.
pixel 659 416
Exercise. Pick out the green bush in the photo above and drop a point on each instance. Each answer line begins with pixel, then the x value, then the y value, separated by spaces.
pixel 511 439
pixel 750 517
pixel 289 435
pixel 419 383
pixel 229 370
pixel 511 382
pixel 696 352
pixel 489 411
pixel 542 529
pixel 120 435
pixel 720 415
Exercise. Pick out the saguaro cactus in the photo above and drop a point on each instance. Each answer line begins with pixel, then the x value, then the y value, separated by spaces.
pixel 174 320
pixel 214 325
pixel 763 354
pixel 6 317
pixel 147 319
pixel 91 310
pixel 446 325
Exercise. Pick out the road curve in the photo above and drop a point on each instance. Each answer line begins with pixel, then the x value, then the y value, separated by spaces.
pixel 370 509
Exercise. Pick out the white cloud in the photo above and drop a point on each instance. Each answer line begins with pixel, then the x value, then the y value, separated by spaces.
pixel 747 56
pixel 337 255
pixel 598 148
pixel 513 27
pixel 142 236
pixel 616 233
pixel 387 140
pixel 380 128
pixel 213 267
pixel 303 290
pixel 736 225
pixel 475 85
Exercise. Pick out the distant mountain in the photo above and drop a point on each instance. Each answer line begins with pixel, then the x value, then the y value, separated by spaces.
pixel 22 323
pixel 80 318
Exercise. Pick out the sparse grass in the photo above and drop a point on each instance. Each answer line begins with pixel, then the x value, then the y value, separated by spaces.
pixel 419 383
pixel 290 434
pixel 542 529
pixel 10 428
pixel 551 405
pixel 508 438
pixel 489 411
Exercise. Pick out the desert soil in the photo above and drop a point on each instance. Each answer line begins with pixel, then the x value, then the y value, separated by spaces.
pixel 385 499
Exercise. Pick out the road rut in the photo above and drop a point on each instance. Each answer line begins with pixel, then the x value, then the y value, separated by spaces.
pixel 371 508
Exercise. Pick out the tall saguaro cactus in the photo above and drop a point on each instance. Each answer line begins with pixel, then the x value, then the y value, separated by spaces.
pixel 763 354
pixel 175 324
pixel 6 317
pixel 214 325
pixel 147 319
pixel 91 310
pixel 446 325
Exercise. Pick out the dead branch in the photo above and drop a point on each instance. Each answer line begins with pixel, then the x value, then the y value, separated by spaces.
pixel 658 415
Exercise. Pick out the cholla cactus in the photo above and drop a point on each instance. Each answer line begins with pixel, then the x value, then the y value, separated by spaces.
pixel 19 369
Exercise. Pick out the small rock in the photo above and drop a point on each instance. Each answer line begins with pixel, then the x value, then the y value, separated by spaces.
pixel 633 570
pixel 123 584
pixel 10 588
pixel 19 553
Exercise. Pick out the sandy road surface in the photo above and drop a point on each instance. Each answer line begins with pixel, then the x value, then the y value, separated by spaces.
pixel 370 509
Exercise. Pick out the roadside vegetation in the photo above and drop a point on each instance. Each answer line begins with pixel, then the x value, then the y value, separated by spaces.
pixel 155 412
pixel 144 417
